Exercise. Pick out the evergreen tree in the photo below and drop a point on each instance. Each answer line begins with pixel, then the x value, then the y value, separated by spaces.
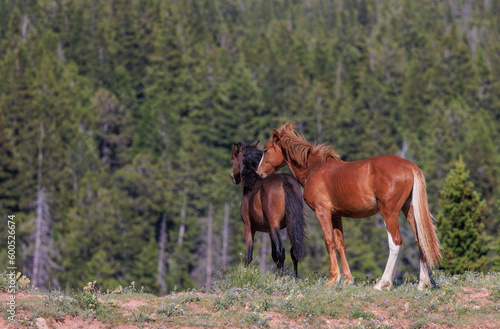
pixel 13 35
pixel 114 137
pixel 9 201
pixel 496 259
pixel 120 116
pixel 481 156
pixel 459 224
pixel 9 197
pixel 95 229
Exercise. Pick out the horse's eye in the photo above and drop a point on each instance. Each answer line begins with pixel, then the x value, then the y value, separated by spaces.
pixel 265 150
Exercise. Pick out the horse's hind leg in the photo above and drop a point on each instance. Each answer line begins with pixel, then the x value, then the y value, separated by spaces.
pixel 278 248
pixel 273 251
pixel 295 263
pixel 394 238
pixel 249 236
pixel 424 271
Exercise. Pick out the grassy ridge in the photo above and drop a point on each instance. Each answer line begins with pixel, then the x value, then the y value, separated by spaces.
pixel 246 297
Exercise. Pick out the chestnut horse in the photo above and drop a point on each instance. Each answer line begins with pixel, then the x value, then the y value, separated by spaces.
pixel 269 205
pixel 335 189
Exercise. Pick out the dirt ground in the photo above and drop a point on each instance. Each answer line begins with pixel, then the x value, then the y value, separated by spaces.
pixel 274 319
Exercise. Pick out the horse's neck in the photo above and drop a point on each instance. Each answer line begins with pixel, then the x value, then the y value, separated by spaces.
pixel 249 181
pixel 302 173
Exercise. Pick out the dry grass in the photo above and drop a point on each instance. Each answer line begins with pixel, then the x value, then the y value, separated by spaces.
pixel 245 297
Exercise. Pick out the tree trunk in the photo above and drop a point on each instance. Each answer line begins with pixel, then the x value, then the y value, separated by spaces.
pixel 319 118
pixel 162 242
pixel 38 237
pixel 185 192
pixel 404 148
pixel 264 252
pixel 25 26
pixel 225 234
pixel 338 81
pixel 42 222
pixel 210 220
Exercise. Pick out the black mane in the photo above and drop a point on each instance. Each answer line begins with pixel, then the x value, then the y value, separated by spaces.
pixel 252 156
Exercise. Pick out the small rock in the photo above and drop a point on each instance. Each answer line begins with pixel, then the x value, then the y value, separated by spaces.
pixel 41 323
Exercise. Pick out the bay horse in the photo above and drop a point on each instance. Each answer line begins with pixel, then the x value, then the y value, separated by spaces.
pixel 269 205
pixel 335 189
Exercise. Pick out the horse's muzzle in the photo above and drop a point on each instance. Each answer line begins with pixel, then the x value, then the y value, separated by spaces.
pixel 261 174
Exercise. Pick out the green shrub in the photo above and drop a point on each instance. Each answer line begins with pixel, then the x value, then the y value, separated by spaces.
pixel 170 309
pixel 87 299
pixel 22 282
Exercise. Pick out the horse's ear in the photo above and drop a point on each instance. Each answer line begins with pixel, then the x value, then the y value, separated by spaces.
pixel 256 144
pixel 288 126
pixel 236 149
pixel 275 136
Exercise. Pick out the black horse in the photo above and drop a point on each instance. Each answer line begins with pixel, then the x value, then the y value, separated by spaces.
pixel 269 205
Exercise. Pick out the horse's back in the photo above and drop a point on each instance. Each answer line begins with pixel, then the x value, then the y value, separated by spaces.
pixel 277 180
pixel 353 189
pixel 388 166
pixel 392 171
pixel 273 196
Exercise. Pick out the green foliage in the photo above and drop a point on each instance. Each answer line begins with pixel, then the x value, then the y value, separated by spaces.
pixel 87 299
pixel 496 250
pixel 357 312
pixel 9 201
pixel 170 310
pixel 228 299
pixel 125 113
pixel 18 282
pixel 459 224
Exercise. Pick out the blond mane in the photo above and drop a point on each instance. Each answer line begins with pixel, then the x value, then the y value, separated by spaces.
pixel 298 147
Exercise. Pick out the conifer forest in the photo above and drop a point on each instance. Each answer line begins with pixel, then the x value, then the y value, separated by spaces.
pixel 117 121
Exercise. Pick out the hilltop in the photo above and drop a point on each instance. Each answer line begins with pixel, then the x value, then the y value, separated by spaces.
pixel 246 298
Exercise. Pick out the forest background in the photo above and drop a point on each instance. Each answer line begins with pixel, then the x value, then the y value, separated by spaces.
pixel 117 119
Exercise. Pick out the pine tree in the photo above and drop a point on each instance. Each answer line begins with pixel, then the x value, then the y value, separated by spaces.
pixel 8 173
pixel 114 137
pixel 459 224
pixel 495 266
pixel 483 160
pixel 9 196
pixel 95 236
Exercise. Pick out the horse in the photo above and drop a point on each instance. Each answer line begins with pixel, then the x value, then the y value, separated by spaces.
pixel 334 189
pixel 269 205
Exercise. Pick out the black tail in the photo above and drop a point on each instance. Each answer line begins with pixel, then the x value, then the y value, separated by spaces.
pixel 295 222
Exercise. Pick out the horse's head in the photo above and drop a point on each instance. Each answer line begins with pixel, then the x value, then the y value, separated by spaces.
pixel 244 156
pixel 273 159
pixel 236 159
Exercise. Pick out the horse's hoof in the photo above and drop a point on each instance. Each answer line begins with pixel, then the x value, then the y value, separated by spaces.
pixel 421 286
pixel 348 282
pixel 380 286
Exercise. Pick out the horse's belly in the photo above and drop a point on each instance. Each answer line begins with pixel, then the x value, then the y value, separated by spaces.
pixel 354 203
pixel 355 212
pixel 349 202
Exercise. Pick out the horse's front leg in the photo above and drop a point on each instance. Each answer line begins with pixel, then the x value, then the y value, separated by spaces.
pixel 338 232
pixel 249 235
pixel 324 217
